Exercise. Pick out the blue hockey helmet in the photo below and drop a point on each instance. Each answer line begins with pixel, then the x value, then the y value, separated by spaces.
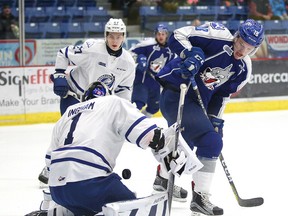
pixel 161 28
pixel 95 90
pixel 251 32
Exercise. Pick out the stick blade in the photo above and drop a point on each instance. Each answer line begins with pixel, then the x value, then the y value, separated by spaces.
pixel 251 202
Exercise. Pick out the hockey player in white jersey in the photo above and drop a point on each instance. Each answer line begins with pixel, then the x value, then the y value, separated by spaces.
pixel 95 60
pixel 86 141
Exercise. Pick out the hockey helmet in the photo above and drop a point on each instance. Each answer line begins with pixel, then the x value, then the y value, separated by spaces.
pixel 251 32
pixel 95 90
pixel 161 28
pixel 115 25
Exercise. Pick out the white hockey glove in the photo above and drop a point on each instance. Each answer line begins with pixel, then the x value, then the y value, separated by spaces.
pixel 185 160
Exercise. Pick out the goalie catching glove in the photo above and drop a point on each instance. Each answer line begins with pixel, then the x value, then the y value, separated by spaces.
pixel 163 144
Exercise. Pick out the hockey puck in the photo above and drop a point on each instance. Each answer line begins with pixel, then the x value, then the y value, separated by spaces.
pixel 126 174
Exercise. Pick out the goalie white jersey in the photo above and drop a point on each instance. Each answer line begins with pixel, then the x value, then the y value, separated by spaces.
pixel 89 136
pixel 94 63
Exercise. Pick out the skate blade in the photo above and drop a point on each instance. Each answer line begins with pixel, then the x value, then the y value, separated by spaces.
pixel 176 199
pixel 197 214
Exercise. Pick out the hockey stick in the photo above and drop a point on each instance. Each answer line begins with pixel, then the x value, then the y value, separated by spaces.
pixel 242 202
pixel 183 89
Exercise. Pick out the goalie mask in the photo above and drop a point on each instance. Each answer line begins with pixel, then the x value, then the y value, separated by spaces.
pixel 95 90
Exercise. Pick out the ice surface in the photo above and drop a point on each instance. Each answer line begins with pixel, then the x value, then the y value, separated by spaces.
pixel 255 150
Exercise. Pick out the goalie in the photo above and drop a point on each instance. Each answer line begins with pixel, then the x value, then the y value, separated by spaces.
pixel 86 142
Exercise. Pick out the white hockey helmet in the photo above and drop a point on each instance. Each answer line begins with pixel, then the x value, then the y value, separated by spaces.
pixel 115 25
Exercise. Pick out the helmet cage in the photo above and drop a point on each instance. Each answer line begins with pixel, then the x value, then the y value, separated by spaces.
pixel 95 90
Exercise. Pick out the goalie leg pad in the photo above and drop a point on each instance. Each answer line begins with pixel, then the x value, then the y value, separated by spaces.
pixel 153 205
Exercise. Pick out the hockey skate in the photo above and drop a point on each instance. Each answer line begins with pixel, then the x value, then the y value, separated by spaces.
pixel 161 184
pixel 201 205
pixel 37 213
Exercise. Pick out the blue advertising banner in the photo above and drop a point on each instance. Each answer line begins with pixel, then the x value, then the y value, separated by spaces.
pixel 10 49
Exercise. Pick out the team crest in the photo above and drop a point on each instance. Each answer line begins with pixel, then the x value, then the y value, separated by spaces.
pixel 108 80
pixel 214 77
pixel 158 63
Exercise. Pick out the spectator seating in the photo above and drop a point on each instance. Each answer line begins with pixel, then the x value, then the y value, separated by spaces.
pixel 233 25
pixel 285 25
pixel 274 26
pixel 180 24
pixel 239 12
pixel 44 3
pixel 206 12
pixel 94 29
pixel 66 3
pixel 58 14
pixel 86 3
pixel 32 31
pixel 149 14
pixel 97 14
pixel 186 13
pixel 74 30
pixel 225 13
pixel 36 14
pixel 52 30
pixel 152 14
pixel 92 18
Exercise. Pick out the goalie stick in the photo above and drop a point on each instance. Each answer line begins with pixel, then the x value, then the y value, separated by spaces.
pixel 183 89
pixel 242 202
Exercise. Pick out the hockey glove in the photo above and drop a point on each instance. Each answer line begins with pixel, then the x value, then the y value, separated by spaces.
pixel 177 164
pixel 162 148
pixel 142 63
pixel 185 160
pixel 158 141
pixel 191 65
pixel 217 123
pixel 61 86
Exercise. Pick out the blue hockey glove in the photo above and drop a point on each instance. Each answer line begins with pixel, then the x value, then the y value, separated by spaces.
pixel 217 123
pixel 191 65
pixel 61 86
pixel 142 63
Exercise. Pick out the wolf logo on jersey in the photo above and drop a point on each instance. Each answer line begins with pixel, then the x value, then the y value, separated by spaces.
pixel 158 63
pixel 214 77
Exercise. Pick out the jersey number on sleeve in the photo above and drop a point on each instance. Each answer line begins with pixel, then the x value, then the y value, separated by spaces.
pixel 78 49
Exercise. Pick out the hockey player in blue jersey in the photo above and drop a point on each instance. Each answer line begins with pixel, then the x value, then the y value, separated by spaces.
pixel 220 65
pixel 80 165
pixel 151 55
